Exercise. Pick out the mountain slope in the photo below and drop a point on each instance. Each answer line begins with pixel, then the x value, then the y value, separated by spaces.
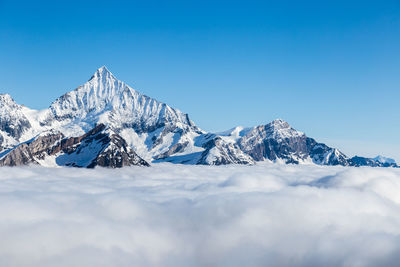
pixel 219 152
pixel 378 161
pixel 98 147
pixel 105 122
pixel 384 160
pixel 278 141
pixel 147 124
pixel 104 99
pixel 13 122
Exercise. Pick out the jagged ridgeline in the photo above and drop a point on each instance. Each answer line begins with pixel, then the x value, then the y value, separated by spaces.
pixel 107 123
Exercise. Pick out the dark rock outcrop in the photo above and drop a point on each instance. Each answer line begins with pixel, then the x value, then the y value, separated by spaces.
pixel 98 147
pixel 12 119
pixel 33 151
pixel 362 161
pixel 219 152
pixel 279 141
pixel 160 132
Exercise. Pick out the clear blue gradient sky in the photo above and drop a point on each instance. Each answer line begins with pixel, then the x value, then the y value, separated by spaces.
pixel 330 68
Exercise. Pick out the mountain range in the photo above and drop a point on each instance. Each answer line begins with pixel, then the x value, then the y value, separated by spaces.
pixel 107 123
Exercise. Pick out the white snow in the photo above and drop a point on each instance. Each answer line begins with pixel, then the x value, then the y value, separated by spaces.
pixel 150 127
pixel 83 156
pixel 105 99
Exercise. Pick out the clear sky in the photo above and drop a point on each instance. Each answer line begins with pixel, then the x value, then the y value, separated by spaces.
pixel 329 68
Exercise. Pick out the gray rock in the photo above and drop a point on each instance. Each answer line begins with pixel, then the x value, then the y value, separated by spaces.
pixel 12 120
pixel 98 147
pixel 362 161
pixel 32 151
pixel 279 141
pixel 219 152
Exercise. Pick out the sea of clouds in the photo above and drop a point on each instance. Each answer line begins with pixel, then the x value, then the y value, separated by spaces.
pixel 172 215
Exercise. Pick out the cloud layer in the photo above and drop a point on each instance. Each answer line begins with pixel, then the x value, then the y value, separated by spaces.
pixel 169 215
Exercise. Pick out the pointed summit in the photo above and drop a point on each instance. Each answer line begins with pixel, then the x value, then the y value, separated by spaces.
pixel 279 124
pixel 102 68
pixel 6 98
pixel 277 130
pixel 8 104
pixel 132 121
pixel 12 119
pixel 95 97
pixel 280 129
pixel 106 99
pixel 102 72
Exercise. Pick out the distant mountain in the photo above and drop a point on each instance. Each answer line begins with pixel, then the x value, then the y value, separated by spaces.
pixel 107 123
pixel 278 141
pixel 384 160
pixel 378 161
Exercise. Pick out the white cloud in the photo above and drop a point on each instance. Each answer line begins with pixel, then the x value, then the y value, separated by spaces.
pixel 169 215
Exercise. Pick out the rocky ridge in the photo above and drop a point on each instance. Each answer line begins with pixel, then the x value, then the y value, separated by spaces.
pixel 97 147
pixel 105 122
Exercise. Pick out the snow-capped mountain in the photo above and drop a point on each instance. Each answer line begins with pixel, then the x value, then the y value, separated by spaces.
pixel 149 126
pixel 279 142
pixel 378 161
pixel 104 99
pixel 384 160
pixel 105 122
pixel 15 122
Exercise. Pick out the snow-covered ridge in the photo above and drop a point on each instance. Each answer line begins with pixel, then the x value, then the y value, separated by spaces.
pixel 105 99
pixel 149 125
pixel 155 131
pixel 17 122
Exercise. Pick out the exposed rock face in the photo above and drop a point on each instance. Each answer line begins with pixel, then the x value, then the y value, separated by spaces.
pixel 13 121
pixel 117 154
pixel 178 147
pixel 219 152
pixel 105 122
pixel 275 140
pixel 102 99
pixel 1 143
pixel 362 161
pixel 325 155
pixel 279 141
pixel 98 147
pixel 33 151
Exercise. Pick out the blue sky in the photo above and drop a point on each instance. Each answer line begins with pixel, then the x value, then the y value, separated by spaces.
pixel 330 68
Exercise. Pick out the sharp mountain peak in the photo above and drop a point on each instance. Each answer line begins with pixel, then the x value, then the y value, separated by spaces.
pixel 6 98
pixel 156 131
